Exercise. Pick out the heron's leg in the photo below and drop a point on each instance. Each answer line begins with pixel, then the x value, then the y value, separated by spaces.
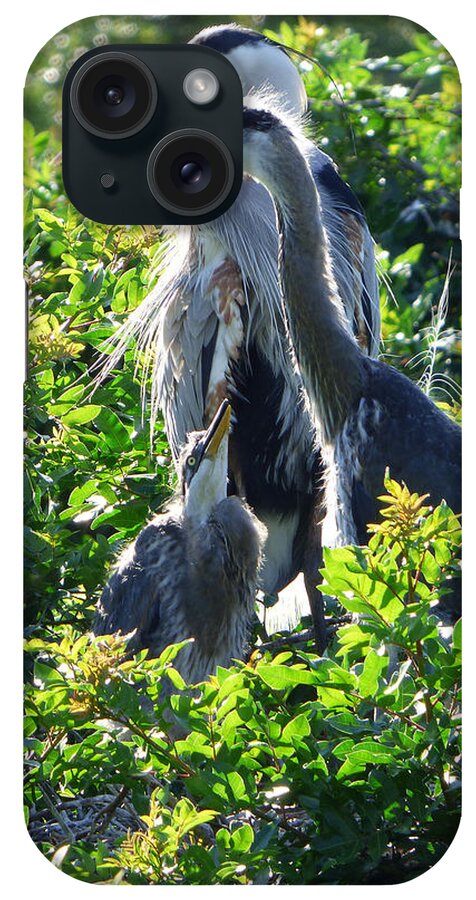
pixel 316 602
pixel 313 562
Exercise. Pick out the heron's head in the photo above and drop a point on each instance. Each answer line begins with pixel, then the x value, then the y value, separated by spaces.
pixel 270 152
pixel 263 66
pixel 205 465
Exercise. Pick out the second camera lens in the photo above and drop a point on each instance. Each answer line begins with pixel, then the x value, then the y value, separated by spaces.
pixel 190 172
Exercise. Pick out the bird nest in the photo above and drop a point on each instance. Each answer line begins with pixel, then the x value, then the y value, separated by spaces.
pixel 108 817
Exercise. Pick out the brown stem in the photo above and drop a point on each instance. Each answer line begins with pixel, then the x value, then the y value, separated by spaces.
pixel 52 744
pixel 212 735
pixel 105 713
pixel 430 718
pixel 54 809
pixel 104 817
pixel 301 838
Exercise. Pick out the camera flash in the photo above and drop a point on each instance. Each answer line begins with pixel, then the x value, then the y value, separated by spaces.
pixel 201 86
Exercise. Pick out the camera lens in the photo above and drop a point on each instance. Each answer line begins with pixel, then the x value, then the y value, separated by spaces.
pixel 113 95
pixel 190 172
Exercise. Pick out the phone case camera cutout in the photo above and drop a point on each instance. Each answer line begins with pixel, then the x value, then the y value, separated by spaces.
pixel 152 134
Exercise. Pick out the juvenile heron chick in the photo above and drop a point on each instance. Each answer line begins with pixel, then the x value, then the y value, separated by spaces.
pixel 192 572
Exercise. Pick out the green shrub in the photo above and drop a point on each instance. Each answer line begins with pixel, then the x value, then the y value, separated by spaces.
pixel 292 769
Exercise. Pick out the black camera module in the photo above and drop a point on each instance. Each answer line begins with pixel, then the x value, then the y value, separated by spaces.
pixel 190 172
pixel 140 149
pixel 113 95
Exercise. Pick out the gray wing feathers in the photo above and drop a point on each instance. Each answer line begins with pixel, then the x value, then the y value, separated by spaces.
pixel 187 326
pixel 145 577
pixel 419 443
pixel 351 248
pixel 371 293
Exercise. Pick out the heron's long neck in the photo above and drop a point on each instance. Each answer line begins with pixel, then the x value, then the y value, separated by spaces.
pixel 330 362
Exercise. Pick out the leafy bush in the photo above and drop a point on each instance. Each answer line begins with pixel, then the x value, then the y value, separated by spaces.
pixel 90 477
pixel 291 769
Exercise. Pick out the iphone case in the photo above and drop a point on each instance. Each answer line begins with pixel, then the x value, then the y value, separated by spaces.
pixel 197 467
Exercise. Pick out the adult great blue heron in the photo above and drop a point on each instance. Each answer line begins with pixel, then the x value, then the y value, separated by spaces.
pixel 213 328
pixel 192 571
pixel 368 414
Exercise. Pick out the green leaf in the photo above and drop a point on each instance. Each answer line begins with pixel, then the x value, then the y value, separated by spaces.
pixel 442 551
pixel 175 677
pixel 364 752
pixel 237 785
pixel 457 636
pixel 82 415
pixel 297 727
pixel 127 517
pixel 81 493
pixel 281 677
pixel 430 569
pixel 188 818
pixel 374 665
pixel 115 433
pixel 45 676
pixel 242 838
pixel 351 766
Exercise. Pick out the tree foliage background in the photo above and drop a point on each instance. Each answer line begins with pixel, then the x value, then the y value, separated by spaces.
pixel 386 106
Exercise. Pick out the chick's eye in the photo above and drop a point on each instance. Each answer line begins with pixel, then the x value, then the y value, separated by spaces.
pixel 191 460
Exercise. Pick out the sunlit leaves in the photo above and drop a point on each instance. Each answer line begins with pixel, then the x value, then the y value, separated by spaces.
pixel 91 479
pixel 362 763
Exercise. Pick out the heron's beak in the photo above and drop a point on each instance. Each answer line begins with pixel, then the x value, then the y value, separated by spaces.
pixel 217 431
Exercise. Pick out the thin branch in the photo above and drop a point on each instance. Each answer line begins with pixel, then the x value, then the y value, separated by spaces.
pixel 104 816
pixel 45 789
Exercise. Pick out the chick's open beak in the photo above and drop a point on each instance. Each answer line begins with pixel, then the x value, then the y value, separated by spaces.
pixel 217 431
